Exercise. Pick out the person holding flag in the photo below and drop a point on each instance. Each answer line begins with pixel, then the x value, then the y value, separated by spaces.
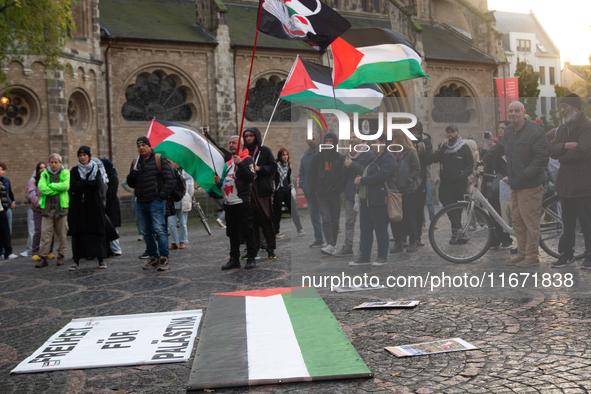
pixel 235 183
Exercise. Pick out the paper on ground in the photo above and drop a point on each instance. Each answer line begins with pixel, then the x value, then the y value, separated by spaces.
pixel 388 304
pixel 420 349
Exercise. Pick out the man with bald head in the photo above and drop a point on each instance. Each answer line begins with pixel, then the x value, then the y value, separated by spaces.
pixel 525 148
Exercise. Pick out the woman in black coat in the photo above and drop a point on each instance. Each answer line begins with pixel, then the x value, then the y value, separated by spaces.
pixel 86 216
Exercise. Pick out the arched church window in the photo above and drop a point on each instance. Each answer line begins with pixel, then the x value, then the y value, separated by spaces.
pixel 19 111
pixel 262 99
pixel 452 105
pixel 79 112
pixel 157 96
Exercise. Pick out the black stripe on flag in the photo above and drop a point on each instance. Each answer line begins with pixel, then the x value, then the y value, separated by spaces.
pixel 222 357
pixel 318 73
pixel 370 36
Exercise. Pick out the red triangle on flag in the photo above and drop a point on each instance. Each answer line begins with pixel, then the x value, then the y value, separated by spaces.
pixel 158 133
pixel 260 293
pixel 346 59
pixel 298 80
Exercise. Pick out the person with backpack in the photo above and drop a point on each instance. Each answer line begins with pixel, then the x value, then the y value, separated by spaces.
pixel 181 208
pixel 153 179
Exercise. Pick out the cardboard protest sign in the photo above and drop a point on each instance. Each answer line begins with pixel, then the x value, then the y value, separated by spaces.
pixel 110 341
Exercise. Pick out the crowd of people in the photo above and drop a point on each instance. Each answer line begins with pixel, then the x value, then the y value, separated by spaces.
pixel 256 185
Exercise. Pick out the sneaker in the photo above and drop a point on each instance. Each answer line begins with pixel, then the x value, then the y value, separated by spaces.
pixel 231 264
pixel 42 263
pixel 145 256
pixel 453 240
pixel 506 245
pixel 250 264
pixel 12 256
pixel 25 254
pixel 404 244
pixel 163 266
pixel 494 246
pixel 279 236
pixel 436 227
pixel 564 261
pixel 514 251
pixel 173 246
pixel 359 261
pixel 140 238
pixel 301 233
pixel 117 254
pixel 245 257
pixel 419 243
pixel 379 262
pixel 264 247
pixel 74 267
pixel 412 248
pixel 345 251
pixel 587 263
pixel 329 250
pixel 397 248
pixel 515 260
pixel 182 245
pixel 220 223
pixel 36 257
pixel 50 256
pixel 102 265
pixel 317 244
pixel 152 264
pixel 271 254
pixel 60 261
pixel 528 262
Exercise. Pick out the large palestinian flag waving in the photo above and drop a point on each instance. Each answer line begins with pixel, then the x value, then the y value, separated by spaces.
pixel 190 150
pixel 374 55
pixel 307 20
pixel 271 336
pixel 311 84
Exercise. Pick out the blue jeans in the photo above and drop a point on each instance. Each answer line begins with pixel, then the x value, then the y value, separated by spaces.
pixel 314 211
pixel 153 226
pixel 182 221
pixel 429 202
pixel 373 218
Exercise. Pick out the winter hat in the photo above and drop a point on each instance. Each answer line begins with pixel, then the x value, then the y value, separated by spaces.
pixel 84 149
pixel 572 99
pixel 143 140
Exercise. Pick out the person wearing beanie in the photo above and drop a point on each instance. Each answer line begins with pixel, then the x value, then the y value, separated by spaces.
pixel 572 148
pixel 86 217
pixel 326 182
pixel 152 177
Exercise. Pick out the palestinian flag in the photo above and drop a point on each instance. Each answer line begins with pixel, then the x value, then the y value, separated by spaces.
pixel 311 84
pixel 190 150
pixel 271 336
pixel 307 20
pixel 374 55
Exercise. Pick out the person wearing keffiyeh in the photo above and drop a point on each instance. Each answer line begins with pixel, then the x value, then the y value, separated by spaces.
pixel 86 219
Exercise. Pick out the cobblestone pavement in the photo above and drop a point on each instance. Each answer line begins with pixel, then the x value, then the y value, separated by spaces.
pixel 530 339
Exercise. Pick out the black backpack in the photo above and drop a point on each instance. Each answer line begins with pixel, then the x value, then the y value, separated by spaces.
pixel 180 188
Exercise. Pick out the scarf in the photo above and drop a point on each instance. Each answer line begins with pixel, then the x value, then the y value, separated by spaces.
pixel 84 170
pixel 282 169
pixel 455 147
pixel 56 171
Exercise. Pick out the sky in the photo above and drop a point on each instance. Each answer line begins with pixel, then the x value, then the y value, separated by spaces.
pixel 568 23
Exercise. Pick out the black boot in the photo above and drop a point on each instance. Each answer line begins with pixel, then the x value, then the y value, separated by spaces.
pixel 231 264
pixel 250 263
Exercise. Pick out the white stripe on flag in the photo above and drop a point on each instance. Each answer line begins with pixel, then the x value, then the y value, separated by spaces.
pixel 197 145
pixel 273 350
pixel 387 53
pixel 365 97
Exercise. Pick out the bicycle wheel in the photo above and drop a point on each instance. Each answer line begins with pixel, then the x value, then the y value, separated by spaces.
pixel 202 217
pixel 465 242
pixel 551 229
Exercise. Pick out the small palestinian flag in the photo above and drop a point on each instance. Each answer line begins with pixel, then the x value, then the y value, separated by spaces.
pixel 374 55
pixel 271 336
pixel 310 84
pixel 190 150
pixel 308 20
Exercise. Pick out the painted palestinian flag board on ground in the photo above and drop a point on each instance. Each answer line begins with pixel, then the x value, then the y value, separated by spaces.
pixel 310 84
pixel 307 20
pixel 190 150
pixel 374 55
pixel 271 336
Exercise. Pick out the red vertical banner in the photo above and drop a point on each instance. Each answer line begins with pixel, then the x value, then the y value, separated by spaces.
pixel 508 89
pixel 301 199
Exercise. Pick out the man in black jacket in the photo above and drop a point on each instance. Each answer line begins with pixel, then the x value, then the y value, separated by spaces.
pixel 262 189
pixel 454 157
pixel 326 183
pixel 572 147
pixel 236 181
pixel 525 148
pixel 152 178
pixel 425 150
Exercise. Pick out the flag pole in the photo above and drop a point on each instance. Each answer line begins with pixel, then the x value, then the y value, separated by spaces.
pixel 249 75
pixel 268 124
pixel 332 81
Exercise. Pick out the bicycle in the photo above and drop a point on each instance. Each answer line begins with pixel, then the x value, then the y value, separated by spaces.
pixel 466 242
pixel 201 214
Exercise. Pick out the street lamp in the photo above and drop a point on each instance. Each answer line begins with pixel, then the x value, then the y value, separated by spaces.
pixel 4 100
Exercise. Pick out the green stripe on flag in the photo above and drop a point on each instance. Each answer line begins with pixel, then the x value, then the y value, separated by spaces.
pixel 325 347
pixel 201 172
pixel 311 99
pixel 384 72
